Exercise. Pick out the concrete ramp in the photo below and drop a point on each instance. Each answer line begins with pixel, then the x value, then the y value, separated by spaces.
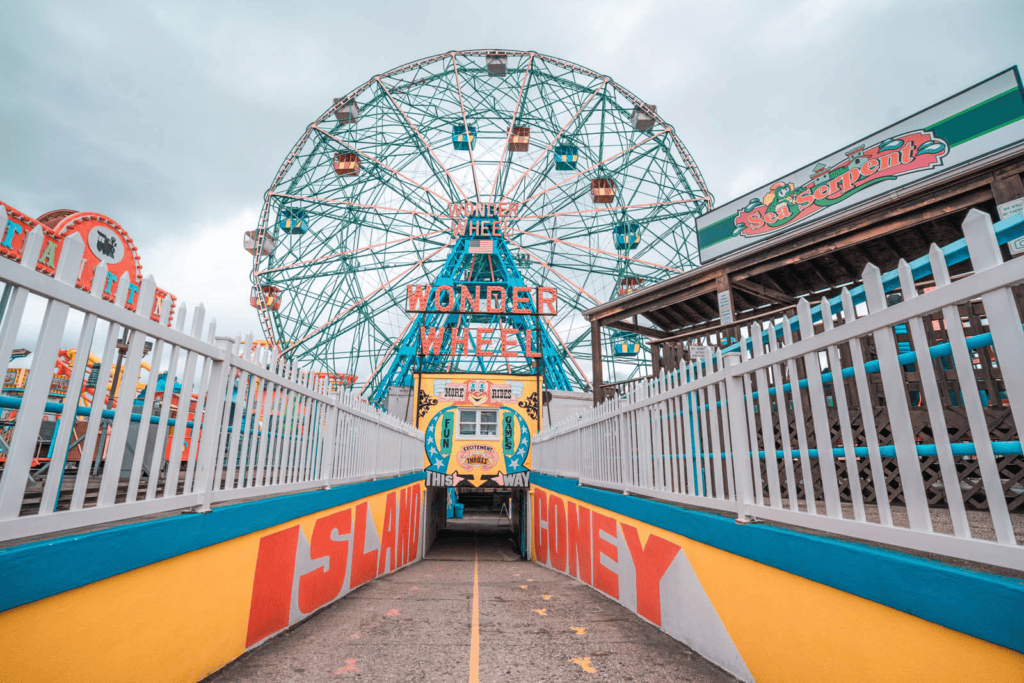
pixel 532 624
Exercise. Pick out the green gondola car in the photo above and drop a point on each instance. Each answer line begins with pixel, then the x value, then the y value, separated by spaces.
pixel 566 157
pixel 462 140
pixel 627 236
pixel 293 221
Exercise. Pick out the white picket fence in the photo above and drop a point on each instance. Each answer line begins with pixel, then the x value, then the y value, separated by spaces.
pixel 692 436
pixel 261 425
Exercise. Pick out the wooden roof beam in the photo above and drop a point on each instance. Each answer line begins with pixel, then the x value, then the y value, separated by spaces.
pixel 745 301
pixel 892 246
pixel 773 282
pixel 706 312
pixel 843 265
pixel 817 271
pixel 648 332
pixel 661 320
pixel 916 230
pixel 857 249
pixel 675 318
pixel 691 313
pixel 762 291
pixel 658 301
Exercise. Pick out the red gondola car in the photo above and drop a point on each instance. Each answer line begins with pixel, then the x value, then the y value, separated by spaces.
pixel 271 294
pixel 520 140
pixel 602 190
pixel 347 164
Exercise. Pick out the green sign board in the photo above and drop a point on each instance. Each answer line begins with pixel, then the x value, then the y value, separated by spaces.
pixel 967 126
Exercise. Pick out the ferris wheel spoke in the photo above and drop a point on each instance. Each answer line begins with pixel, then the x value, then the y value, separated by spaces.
pixel 598 251
pixel 609 209
pixel 423 140
pixel 554 139
pixel 373 188
pixel 602 162
pixel 394 345
pixel 370 207
pixel 511 124
pixel 657 238
pixel 370 321
pixel 465 124
pixel 381 164
pixel 583 229
pixel 324 252
pixel 367 297
pixel 312 304
pixel 350 252
pixel 543 264
pixel 575 362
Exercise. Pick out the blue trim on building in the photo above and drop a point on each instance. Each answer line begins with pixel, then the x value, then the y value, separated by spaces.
pixel 34 571
pixel 985 606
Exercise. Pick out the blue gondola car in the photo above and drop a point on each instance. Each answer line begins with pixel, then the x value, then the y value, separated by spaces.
pixel 627 236
pixel 293 221
pixel 626 344
pixel 566 157
pixel 461 139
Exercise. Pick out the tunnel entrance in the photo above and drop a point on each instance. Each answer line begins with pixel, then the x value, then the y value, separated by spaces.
pixel 493 520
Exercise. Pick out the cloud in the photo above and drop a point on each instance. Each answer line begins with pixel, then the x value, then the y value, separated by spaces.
pixel 207 265
pixel 173 118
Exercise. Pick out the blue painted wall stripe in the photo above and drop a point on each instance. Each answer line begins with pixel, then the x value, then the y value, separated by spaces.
pixel 34 571
pixel 986 606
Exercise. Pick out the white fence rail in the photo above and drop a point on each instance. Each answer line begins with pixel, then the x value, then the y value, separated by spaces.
pixel 717 433
pixel 231 421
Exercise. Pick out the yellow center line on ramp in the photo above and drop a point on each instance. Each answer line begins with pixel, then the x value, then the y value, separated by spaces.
pixel 474 638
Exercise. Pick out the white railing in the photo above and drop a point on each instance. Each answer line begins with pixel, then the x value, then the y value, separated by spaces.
pixel 715 434
pixel 243 422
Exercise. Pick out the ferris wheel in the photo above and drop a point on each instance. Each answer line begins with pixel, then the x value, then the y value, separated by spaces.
pixel 606 199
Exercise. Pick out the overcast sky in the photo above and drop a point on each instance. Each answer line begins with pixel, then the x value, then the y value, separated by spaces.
pixel 173 118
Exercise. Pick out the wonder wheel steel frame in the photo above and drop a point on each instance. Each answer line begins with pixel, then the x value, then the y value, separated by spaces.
pixel 332 294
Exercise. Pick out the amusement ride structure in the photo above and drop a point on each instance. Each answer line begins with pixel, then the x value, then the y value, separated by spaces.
pixel 397 183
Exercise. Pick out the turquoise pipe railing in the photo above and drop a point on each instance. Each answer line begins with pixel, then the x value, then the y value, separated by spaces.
pixel 908 358
pixel 999 448
pixel 14 403
pixel 872 367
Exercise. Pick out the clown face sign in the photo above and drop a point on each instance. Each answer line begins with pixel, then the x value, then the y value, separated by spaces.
pixel 477 428
pixel 478 392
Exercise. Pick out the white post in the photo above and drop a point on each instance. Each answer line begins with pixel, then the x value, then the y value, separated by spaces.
pixel 621 424
pixel 208 456
pixel 30 415
pixel 330 441
pixel 738 433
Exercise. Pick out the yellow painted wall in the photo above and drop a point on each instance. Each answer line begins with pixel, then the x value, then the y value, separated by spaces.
pixel 786 628
pixel 176 620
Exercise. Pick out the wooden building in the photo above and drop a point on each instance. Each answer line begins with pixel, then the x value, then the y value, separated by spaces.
pixel 817 257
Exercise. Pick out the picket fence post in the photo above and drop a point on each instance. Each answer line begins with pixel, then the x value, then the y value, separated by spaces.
pixel 738 433
pixel 209 446
pixel 331 442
